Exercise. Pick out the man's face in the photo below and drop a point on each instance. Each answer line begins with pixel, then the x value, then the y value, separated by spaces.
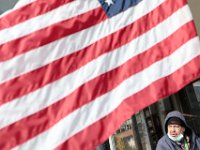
pixel 174 130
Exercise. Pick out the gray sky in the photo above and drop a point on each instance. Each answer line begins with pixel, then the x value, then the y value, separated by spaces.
pixel 6 4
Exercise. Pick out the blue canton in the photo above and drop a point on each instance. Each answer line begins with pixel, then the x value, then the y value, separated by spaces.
pixel 114 7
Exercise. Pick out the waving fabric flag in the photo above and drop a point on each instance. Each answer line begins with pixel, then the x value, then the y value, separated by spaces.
pixel 72 71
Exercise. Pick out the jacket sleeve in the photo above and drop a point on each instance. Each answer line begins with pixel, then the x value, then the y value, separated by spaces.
pixel 166 144
pixel 197 143
pixel 160 146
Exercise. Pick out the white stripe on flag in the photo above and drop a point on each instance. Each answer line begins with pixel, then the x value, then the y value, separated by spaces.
pixel 61 88
pixel 22 3
pixel 55 50
pixel 19 4
pixel 103 105
pixel 59 14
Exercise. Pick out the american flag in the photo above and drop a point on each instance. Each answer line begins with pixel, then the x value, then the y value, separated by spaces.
pixel 72 71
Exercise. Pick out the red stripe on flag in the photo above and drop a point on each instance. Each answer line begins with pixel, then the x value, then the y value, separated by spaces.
pixel 32 81
pixel 51 33
pixel 106 82
pixel 105 127
pixel 29 11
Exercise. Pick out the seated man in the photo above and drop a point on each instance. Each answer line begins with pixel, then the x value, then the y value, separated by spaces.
pixel 178 134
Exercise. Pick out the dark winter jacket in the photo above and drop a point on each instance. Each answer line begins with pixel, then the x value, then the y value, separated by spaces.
pixel 166 144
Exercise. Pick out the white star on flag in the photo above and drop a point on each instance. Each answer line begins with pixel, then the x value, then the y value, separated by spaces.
pixel 109 2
